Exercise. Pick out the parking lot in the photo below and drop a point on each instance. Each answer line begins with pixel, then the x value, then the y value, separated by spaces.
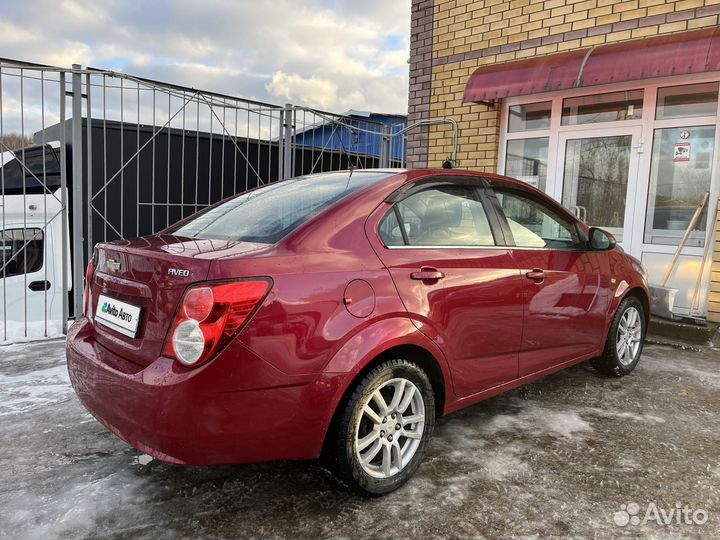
pixel 557 458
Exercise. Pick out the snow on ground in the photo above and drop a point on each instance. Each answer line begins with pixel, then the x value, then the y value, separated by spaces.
pixel 556 458
pixel 40 388
pixel 21 331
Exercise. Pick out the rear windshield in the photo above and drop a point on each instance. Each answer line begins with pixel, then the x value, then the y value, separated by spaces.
pixel 267 214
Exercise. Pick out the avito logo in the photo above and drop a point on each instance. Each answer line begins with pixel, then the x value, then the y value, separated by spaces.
pixel 113 311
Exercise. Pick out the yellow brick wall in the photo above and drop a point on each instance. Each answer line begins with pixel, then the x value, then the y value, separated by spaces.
pixel 714 304
pixel 525 28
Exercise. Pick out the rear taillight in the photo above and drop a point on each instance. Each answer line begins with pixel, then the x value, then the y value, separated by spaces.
pixel 210 314
pixel 87 300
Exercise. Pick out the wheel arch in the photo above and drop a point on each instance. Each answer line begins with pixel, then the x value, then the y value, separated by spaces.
pixel 642 296
pixel 412 352
pixel 635 291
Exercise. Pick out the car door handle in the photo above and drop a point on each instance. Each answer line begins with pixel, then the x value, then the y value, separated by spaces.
pixel 536 274
pixel 39 286
pixel 427 274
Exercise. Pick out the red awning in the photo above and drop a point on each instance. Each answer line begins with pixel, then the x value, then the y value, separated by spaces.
pixel 674 54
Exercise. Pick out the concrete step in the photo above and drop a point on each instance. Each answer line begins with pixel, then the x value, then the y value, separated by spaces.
pixel 681 333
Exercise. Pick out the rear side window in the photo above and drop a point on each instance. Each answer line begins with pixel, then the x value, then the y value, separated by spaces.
pixel 21 251
pixel 267 214
pixel 445 216
pixel 533 223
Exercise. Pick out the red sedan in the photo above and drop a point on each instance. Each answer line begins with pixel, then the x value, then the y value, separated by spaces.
pixel 338 315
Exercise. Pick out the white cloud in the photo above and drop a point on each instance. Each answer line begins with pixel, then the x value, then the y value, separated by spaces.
pixel 333 54
pixel 311 91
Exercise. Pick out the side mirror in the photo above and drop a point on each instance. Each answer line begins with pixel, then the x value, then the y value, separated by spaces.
pixel 600 240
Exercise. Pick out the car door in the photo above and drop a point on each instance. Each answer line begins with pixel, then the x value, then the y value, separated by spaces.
pixel 565 304
pixel 27 271
pixel 457 281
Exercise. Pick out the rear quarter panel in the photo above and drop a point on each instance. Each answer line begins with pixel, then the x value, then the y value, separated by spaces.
pixel 304 322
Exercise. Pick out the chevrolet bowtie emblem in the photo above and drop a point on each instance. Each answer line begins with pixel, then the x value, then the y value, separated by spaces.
pixel 113 265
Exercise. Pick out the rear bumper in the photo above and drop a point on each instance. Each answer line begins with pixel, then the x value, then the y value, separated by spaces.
pixel 235 409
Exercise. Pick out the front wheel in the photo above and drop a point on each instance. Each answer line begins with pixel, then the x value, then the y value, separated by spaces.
pixel 386 423
pixel 625 340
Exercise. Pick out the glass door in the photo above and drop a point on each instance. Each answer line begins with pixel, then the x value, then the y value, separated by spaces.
pixel 599 171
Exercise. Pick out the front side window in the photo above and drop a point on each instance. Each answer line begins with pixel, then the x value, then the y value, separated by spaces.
pixel 443 216
pixel 21 251
pixel 535 224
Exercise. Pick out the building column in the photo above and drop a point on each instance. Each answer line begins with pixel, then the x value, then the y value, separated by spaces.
pixel 421 35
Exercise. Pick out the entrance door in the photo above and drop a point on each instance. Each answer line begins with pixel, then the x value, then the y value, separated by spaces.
pixel 599 171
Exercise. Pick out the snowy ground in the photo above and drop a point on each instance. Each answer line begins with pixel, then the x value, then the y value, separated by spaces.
pixel 24 331
pixel 557 458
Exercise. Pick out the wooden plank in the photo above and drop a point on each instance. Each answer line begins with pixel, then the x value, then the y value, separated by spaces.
pixel 715 287
pixel 714 307
pixel 714 296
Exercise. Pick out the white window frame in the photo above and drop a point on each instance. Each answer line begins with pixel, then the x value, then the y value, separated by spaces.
pixel 647 122
pixel 647 125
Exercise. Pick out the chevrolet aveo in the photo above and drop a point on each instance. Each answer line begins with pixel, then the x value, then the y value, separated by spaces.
pixel 338 315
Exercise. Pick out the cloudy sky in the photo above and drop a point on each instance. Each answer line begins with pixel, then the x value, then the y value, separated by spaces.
pixel 330 54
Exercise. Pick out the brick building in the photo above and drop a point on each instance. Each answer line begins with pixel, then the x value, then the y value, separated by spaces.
pixel 610 106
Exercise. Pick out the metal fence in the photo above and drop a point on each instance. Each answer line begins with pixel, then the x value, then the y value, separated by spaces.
pixel 91 155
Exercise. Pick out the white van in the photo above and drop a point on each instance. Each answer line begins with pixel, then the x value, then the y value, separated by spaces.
pixel 31 290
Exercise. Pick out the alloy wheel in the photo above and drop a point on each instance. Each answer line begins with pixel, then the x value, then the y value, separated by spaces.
pixel 629 336
pixel 390 428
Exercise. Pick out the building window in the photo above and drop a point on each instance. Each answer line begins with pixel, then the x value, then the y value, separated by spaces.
pixel 21 251
pixel 682 160
pixel 526 160
pixel 529 117
pixel 687 101
pixel 612 107
pixel 596 178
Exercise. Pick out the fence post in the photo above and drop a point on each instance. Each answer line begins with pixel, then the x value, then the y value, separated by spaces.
pixel 385 146
pixel 64 203
pixel 281 146
pixel 76 247
pixel 88 182
pixel 287 136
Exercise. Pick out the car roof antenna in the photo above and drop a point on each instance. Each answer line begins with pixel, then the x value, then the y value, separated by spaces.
pixel 344 150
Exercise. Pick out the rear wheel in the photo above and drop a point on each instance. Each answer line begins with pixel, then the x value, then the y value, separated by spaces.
pixel 625 340
pixel 385 425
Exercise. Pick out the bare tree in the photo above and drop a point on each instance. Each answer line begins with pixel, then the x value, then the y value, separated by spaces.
pixel 13 141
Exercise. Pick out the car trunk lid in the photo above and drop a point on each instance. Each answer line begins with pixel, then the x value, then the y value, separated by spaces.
pixel 151 274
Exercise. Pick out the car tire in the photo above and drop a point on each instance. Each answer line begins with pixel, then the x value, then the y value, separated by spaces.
pixel 376 451
pixel 624 344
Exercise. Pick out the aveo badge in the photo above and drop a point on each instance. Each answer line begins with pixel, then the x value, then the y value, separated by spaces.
pixel 178 272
